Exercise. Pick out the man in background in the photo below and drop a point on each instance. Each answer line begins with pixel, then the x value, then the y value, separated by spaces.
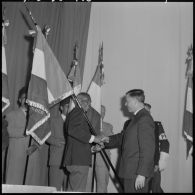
pixel 57 175
pixel 161 154
pixel 102 168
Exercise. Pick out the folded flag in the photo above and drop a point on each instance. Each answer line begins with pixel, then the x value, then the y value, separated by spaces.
pixel 74 78
pixel 48 85
pixel 5 91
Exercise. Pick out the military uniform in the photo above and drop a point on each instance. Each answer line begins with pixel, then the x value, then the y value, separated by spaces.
pixel 162 148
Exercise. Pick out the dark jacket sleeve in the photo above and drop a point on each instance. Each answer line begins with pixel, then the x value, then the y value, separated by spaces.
pixel 115 141
pixel 163 141
pixel 78 127
pixel 146 141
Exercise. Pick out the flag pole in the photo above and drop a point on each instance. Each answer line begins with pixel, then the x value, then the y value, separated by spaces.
pixel 46 32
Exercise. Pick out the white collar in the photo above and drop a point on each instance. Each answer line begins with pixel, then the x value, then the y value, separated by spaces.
pixel 63 117
pixel 137 111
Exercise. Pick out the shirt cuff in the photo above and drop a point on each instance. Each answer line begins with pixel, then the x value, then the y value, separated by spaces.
pixel 91 139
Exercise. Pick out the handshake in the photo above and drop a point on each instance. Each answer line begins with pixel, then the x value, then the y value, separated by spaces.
pixel 99 140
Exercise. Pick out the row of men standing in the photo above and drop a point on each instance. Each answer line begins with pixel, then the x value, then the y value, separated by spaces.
pixel 70 147
pixel 45 161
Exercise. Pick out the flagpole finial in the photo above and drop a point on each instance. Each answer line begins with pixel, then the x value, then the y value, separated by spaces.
pixel 75 55
pixel 5 22
pixel 46 30
pixel 30 14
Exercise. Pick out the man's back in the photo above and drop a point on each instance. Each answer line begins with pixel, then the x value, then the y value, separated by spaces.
pixel 77 132
pixel 138 145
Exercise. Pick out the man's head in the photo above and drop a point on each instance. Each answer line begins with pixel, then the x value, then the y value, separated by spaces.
pixel 22 98
pixel 64 106
pixel 84 100
pixel 103 111
pixel 135 99
pixel 147 106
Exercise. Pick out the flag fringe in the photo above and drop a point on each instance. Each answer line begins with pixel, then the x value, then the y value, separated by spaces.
pixel 188 136
pixel 40 122
pixel 65 95
pixel 38 139
pixel 7 103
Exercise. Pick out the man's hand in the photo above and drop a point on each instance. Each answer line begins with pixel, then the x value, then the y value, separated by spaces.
pixel 162 165
pixel 105 139
pixel 31 149
pixel 139 182
pixel 156 168
pixel 97 148
pixel 98 139
pixel 163 161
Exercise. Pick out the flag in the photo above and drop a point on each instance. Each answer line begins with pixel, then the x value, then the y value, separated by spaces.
pixel 5 91
pixel 94 89
pixel 74 78
pixel 48 85
pixel 188 110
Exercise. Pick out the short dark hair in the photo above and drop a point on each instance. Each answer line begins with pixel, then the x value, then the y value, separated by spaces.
pixel 65 101
pixel 148 105
pixel 22 91
pixel 138 94
pixel 86 95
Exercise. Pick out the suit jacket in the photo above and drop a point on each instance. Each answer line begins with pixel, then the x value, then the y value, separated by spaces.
pixel 137 143
pixel 77 132
pixel 95 119
pixel 57 136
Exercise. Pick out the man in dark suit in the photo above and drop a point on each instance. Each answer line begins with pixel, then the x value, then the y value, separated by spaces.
pixel 77 157
pixel 137 143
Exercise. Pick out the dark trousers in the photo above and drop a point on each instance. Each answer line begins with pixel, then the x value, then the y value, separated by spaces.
pixel 57 178
pixel 154 185
pixel 129 186
pixel 77 179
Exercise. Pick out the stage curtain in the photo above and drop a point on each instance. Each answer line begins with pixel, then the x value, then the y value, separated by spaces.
pixel 69 22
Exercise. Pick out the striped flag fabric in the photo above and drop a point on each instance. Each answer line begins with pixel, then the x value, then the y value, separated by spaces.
pixel 188 111
pixel 48 86
pixel 5 91
pixel 94 89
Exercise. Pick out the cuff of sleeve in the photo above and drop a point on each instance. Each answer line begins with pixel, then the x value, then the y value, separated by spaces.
pixel 164 156
pixel 91 139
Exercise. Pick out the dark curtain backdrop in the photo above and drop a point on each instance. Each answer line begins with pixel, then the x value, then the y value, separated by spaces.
pixel 69 22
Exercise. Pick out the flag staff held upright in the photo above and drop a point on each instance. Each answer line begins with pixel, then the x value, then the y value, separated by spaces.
pixel 102 152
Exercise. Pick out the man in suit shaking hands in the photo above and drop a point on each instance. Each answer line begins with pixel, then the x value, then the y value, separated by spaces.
pixel 78 156
pixel 137 144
